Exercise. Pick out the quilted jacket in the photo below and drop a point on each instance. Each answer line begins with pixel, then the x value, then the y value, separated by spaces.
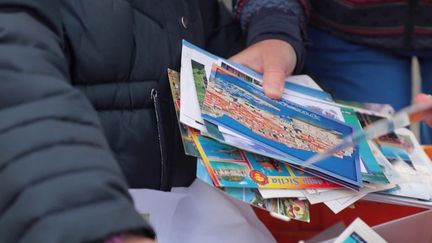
pixel 84 97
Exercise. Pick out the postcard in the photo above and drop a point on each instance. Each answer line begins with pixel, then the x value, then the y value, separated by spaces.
pixel 306 81
pixel 376 109
pixel 229 166
pixel 296 91
pixel 301 86
pixel 295 131
pixel 282 208
pixel 359 232
pixel 190 112
pixel 373 172
pixel 406 164
pixel 412 164
pixel 200 80
pixel 188 143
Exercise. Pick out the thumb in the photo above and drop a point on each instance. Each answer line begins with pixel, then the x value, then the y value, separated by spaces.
pixel 274 80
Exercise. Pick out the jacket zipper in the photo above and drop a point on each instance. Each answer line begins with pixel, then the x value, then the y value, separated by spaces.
pixel 164 183
pixel 409 28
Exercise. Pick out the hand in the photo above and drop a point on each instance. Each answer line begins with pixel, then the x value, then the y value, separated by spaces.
pixel 424 98
pixel 130 238
pixel 276 59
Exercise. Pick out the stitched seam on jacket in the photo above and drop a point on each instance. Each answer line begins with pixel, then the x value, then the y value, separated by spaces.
pixel 49 145
pixel 39 119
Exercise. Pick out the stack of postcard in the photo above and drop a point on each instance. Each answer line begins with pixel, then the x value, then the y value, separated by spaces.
pixel 253 147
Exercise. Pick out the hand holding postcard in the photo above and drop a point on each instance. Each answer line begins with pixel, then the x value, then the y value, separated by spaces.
pixel 281 208
pixel 293 131
pixel 258 150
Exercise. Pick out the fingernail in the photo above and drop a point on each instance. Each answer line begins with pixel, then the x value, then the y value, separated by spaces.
pixel 274 90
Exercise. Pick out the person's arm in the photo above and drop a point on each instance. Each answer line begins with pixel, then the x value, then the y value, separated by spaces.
pixel 276 37
pixel 59 180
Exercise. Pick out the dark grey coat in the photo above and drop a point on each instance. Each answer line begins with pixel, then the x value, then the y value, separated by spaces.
pixel 60 179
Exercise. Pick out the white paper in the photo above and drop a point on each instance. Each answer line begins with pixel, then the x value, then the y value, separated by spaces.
pixel 352 196
pixel 160 206
pixel 313 191
pixel 328 195
pixel 200 214
pixel 281 193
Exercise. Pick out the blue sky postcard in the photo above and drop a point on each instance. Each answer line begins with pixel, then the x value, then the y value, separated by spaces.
pixel 295 131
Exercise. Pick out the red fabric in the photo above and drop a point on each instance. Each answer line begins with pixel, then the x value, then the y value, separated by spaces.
pixel 372 213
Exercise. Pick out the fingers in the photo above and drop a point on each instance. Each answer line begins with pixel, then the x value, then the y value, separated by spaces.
pixel 279 62
pixel 273 69
pixel 276 59
pixel 424 98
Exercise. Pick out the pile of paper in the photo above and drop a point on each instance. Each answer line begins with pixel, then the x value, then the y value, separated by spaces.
pixel 253 147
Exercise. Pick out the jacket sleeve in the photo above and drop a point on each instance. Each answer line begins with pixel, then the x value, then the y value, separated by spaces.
pixel 275 19
pixel 59 180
